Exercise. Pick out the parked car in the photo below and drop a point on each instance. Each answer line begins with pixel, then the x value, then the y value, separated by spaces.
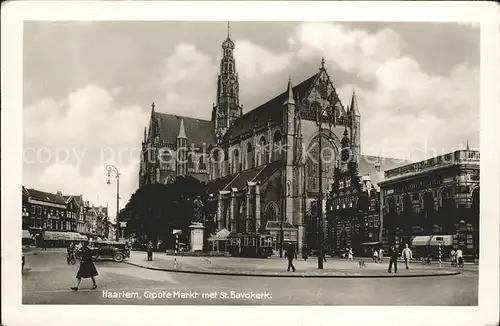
pixel 118 251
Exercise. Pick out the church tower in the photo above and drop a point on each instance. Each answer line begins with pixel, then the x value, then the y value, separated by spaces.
pixel 227 109
pixel 355 125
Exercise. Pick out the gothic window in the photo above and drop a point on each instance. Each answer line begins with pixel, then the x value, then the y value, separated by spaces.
pixel 202 166
pixel 263 151
pixel 329 152
pixel 250 157
pixel 236 161
pixel 190 161
pixel 277 149
pixel 271 212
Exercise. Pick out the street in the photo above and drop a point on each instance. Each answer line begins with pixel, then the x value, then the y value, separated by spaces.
pixel 48 278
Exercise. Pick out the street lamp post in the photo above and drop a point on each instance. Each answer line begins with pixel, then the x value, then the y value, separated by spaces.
pixel 113 169
pixel 320 110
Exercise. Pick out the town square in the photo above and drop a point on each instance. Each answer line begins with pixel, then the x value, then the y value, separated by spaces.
pixel 261 164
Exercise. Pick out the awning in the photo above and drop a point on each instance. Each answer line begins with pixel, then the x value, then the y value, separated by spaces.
pixel 27 234
pixel 445 240
pixel 371 243
pixel 54 235
pixel 421 240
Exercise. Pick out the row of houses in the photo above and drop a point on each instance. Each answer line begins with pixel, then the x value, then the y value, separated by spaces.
pixel 45 214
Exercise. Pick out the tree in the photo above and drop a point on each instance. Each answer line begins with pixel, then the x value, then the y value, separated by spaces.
pixel 154 211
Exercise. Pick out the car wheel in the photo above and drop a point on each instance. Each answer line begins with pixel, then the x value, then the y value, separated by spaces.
pixel 118 257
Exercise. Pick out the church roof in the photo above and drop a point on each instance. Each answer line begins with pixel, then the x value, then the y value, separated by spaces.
pixel 271 110
pixel 197 131
pixel 258 174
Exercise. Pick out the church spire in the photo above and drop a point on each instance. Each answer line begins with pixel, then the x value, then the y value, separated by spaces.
pixel 182 133
pixel 354 105
pixel 289 92
pixel 467 146
pixel 145 135
pixel 227 109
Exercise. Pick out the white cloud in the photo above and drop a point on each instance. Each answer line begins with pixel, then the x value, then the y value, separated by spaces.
pixel 90 127
pixel 352 50
pixel 254 61
pixel 405 108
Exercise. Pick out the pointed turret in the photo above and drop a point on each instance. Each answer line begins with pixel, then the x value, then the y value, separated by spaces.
pixel 354 105
pixel 145 135
pixel 467 146
pixel 182 133
pixel 289 93
pixel 322 67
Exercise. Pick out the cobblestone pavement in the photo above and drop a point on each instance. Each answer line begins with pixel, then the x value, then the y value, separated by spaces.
pixel 47 279
pixel 278 267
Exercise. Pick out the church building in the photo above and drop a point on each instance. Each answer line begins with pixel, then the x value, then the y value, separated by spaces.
pixel 261 166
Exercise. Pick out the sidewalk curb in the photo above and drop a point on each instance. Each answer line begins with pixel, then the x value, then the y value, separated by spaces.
pixel 291 275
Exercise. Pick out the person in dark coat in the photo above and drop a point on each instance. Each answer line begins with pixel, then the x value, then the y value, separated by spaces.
pixel 290 254
pixel 393 259
pixel 87 268
pixel 149 250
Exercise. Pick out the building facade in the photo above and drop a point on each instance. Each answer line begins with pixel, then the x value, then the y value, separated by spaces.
pixel 436 196
pixel 261 166
pixel 48 211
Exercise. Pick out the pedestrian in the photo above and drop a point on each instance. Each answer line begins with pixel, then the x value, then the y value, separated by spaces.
pixel 87 268
pixel 460 258
pixel 380 254
pixel 453 257
pixel 407 255
pixel 150 251
pixel 350 255
pixel 393 259
pixel 375 255
pixel 70 252
pixel 290 254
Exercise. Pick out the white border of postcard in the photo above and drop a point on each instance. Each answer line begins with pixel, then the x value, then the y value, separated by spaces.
pixel 13 15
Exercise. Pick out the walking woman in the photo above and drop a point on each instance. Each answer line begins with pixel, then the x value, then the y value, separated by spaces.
pixel 87 268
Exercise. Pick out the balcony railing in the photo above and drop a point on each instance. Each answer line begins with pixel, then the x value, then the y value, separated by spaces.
pixel 461 156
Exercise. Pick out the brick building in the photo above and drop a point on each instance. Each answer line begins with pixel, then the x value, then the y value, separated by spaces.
pixel 436 196
pixel 47 214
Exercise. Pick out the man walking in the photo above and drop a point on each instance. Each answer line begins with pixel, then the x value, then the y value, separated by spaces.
pixel 290 254
pixel 393 259
pixel 407 255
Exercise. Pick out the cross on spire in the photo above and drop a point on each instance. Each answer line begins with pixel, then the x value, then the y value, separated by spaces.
pixel 153 105
pixel 228 29
pixel 323 63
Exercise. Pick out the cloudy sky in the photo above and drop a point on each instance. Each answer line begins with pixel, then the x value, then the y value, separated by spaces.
pixel 88 87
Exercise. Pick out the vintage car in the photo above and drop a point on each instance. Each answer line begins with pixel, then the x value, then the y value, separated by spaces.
pixel 118 251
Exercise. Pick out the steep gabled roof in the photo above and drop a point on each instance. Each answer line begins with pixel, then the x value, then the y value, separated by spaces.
pixel 197 131
pixel 271 110
pixel 46 196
